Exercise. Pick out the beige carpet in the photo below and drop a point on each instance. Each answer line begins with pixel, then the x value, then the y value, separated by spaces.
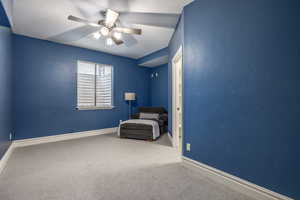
pixel 105 168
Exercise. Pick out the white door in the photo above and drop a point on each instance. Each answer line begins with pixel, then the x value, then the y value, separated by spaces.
pixel 177 101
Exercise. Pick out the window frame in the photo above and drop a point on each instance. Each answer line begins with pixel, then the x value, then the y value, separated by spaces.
pixel 112 106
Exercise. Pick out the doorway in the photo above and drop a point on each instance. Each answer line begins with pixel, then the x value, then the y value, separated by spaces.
pixel 177 96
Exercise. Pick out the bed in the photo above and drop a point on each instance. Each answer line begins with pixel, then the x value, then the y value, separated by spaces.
pixel 148 124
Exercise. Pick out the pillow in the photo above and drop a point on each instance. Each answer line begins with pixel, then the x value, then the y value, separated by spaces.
pixel 149 116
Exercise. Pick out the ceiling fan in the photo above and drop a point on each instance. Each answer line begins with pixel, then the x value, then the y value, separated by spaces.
pixel 110 27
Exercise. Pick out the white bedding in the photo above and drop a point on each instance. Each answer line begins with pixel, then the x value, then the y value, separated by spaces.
pixel 154 124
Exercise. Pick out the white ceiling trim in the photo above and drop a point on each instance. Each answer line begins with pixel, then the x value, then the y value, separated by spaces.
pixel 156 62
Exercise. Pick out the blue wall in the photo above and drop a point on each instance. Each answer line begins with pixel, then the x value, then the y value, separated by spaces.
pixel 241 82
pixel 5 89
pixel 45 88
pixel 159 87
pixel 176 41
pixel 3 17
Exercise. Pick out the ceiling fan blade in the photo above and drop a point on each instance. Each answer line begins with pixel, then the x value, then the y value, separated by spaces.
pixel 111 17
pixel 151 19
pixel 116 41
pixel 129 40
pixel 84 21
pixel 128 30
pixel 74 34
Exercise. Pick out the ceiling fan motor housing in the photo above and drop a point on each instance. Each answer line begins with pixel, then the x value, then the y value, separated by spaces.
pixel 102 23
pixel 109 27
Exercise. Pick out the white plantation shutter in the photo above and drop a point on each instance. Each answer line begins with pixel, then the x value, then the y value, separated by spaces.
pixel 85 84
pixel 94 86
pixel 104 86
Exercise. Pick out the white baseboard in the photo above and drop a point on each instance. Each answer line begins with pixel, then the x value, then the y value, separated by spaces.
pixel 62 137
pixel 170 138
pixel 5 157
pixel 234 182
pixel 48 139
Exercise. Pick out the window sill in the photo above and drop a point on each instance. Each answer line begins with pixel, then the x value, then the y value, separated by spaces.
pixel 95 108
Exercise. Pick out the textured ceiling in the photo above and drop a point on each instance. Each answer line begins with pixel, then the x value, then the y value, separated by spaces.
pixel 47 20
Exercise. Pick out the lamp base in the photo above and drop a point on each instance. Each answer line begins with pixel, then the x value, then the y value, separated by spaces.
pixel 129 113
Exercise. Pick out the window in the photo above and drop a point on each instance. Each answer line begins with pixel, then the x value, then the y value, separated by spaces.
pixel 94 86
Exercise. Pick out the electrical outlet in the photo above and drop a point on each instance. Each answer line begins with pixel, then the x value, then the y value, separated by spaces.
pixel 188 147
pixel 10 136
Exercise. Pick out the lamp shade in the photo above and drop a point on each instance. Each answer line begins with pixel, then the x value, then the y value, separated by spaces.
pixel 129 96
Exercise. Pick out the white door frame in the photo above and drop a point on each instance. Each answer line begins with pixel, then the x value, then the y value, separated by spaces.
pixel 178 55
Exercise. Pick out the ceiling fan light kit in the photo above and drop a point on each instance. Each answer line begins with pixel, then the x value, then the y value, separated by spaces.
pixel 112 28
pixel 109 42
pixel 118 35
pixel 96 35
pixel 104 31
